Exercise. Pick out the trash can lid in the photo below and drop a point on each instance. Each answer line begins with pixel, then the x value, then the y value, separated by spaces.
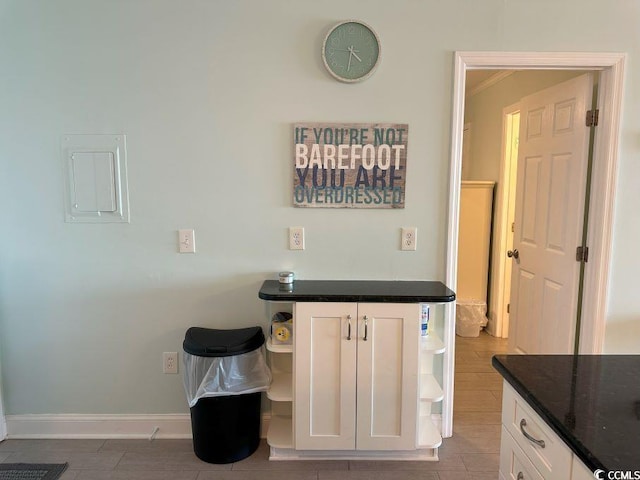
pixel 209 342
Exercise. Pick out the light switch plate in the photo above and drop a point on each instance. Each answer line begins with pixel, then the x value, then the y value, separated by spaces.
pixel 187 240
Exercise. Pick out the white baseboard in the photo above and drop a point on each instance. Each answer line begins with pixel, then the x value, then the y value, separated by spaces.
pixel 103 426
pixel 68 426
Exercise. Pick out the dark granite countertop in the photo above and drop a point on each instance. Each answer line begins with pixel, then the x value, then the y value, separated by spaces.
pixel 591 401
pixel 393 291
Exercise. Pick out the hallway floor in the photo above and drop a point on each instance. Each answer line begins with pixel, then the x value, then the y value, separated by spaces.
pixel 471 454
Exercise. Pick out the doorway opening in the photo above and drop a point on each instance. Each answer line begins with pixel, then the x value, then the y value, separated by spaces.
pixel 602 192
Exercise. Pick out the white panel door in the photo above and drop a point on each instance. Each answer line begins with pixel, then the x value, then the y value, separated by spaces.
pixel 325 376
pixel 552 171
pixel 388 346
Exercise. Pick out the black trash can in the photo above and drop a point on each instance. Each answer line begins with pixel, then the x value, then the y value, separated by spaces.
pixel 226 428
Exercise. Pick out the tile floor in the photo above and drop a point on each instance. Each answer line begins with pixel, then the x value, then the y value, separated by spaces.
pixel 471 454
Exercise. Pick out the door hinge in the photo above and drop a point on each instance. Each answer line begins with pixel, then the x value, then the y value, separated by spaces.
pixel 513 227
pixel 582 254
pixel 592 117
pixel 508 308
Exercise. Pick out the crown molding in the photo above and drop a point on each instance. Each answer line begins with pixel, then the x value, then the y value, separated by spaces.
pixel 492 80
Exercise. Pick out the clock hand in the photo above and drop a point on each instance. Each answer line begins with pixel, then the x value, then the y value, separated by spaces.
pixel 353 52
pixel 349 64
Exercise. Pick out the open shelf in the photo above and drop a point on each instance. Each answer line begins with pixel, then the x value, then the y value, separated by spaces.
pixel 432 344
pixel 281 387
pixel 429 436
pixel 275 348
pixel 430 389
pixel 280 432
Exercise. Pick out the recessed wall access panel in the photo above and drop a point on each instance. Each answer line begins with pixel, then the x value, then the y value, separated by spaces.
pixel 94 181
pixel 96 178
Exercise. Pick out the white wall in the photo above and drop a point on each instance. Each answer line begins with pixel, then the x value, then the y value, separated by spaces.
pixel 206 92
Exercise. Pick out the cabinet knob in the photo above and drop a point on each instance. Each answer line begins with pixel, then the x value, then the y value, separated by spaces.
pixel 348 327
pixel 520 476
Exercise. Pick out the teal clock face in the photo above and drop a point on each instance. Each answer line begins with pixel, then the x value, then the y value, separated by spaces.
pixel 351 51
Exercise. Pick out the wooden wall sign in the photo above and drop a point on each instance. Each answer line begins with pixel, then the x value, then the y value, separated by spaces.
pixel 350 165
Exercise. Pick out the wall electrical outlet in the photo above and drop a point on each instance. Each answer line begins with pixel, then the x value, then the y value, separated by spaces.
pixel 409 238
pixel 296 238
pixel 187 241
pixel 170 362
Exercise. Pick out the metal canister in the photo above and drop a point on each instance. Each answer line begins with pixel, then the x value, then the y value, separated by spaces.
pixel 285 277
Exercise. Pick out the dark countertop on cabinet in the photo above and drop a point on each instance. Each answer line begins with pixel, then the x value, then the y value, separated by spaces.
pixel 591 401
pixel 375 291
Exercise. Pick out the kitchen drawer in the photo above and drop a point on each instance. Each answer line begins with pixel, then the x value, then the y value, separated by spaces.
pixel 553 460
pixel 514 464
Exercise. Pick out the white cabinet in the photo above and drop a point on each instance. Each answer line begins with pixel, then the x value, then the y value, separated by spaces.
pixel 356 376
pixel 325 375
pixel 358 382
pixel 530 449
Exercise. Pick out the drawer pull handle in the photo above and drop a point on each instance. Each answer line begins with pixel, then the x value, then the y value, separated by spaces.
pixel 365 328
pixel 520 476
pixel 349 329
pixel 523 423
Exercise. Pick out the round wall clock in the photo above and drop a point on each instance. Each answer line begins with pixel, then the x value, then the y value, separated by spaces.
pixel 351 51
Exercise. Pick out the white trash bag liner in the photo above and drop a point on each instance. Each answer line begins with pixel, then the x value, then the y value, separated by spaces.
pixel 471 316
pixel 223 376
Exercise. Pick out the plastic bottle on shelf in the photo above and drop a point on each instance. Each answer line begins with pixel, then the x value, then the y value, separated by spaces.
pixel 424 320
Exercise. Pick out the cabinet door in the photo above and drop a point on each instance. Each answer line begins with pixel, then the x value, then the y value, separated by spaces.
pixel 387 376
pixel 325 376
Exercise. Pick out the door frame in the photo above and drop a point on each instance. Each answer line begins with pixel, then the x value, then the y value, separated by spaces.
pixel 3 421
pixel 601 203
pixel 505 196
